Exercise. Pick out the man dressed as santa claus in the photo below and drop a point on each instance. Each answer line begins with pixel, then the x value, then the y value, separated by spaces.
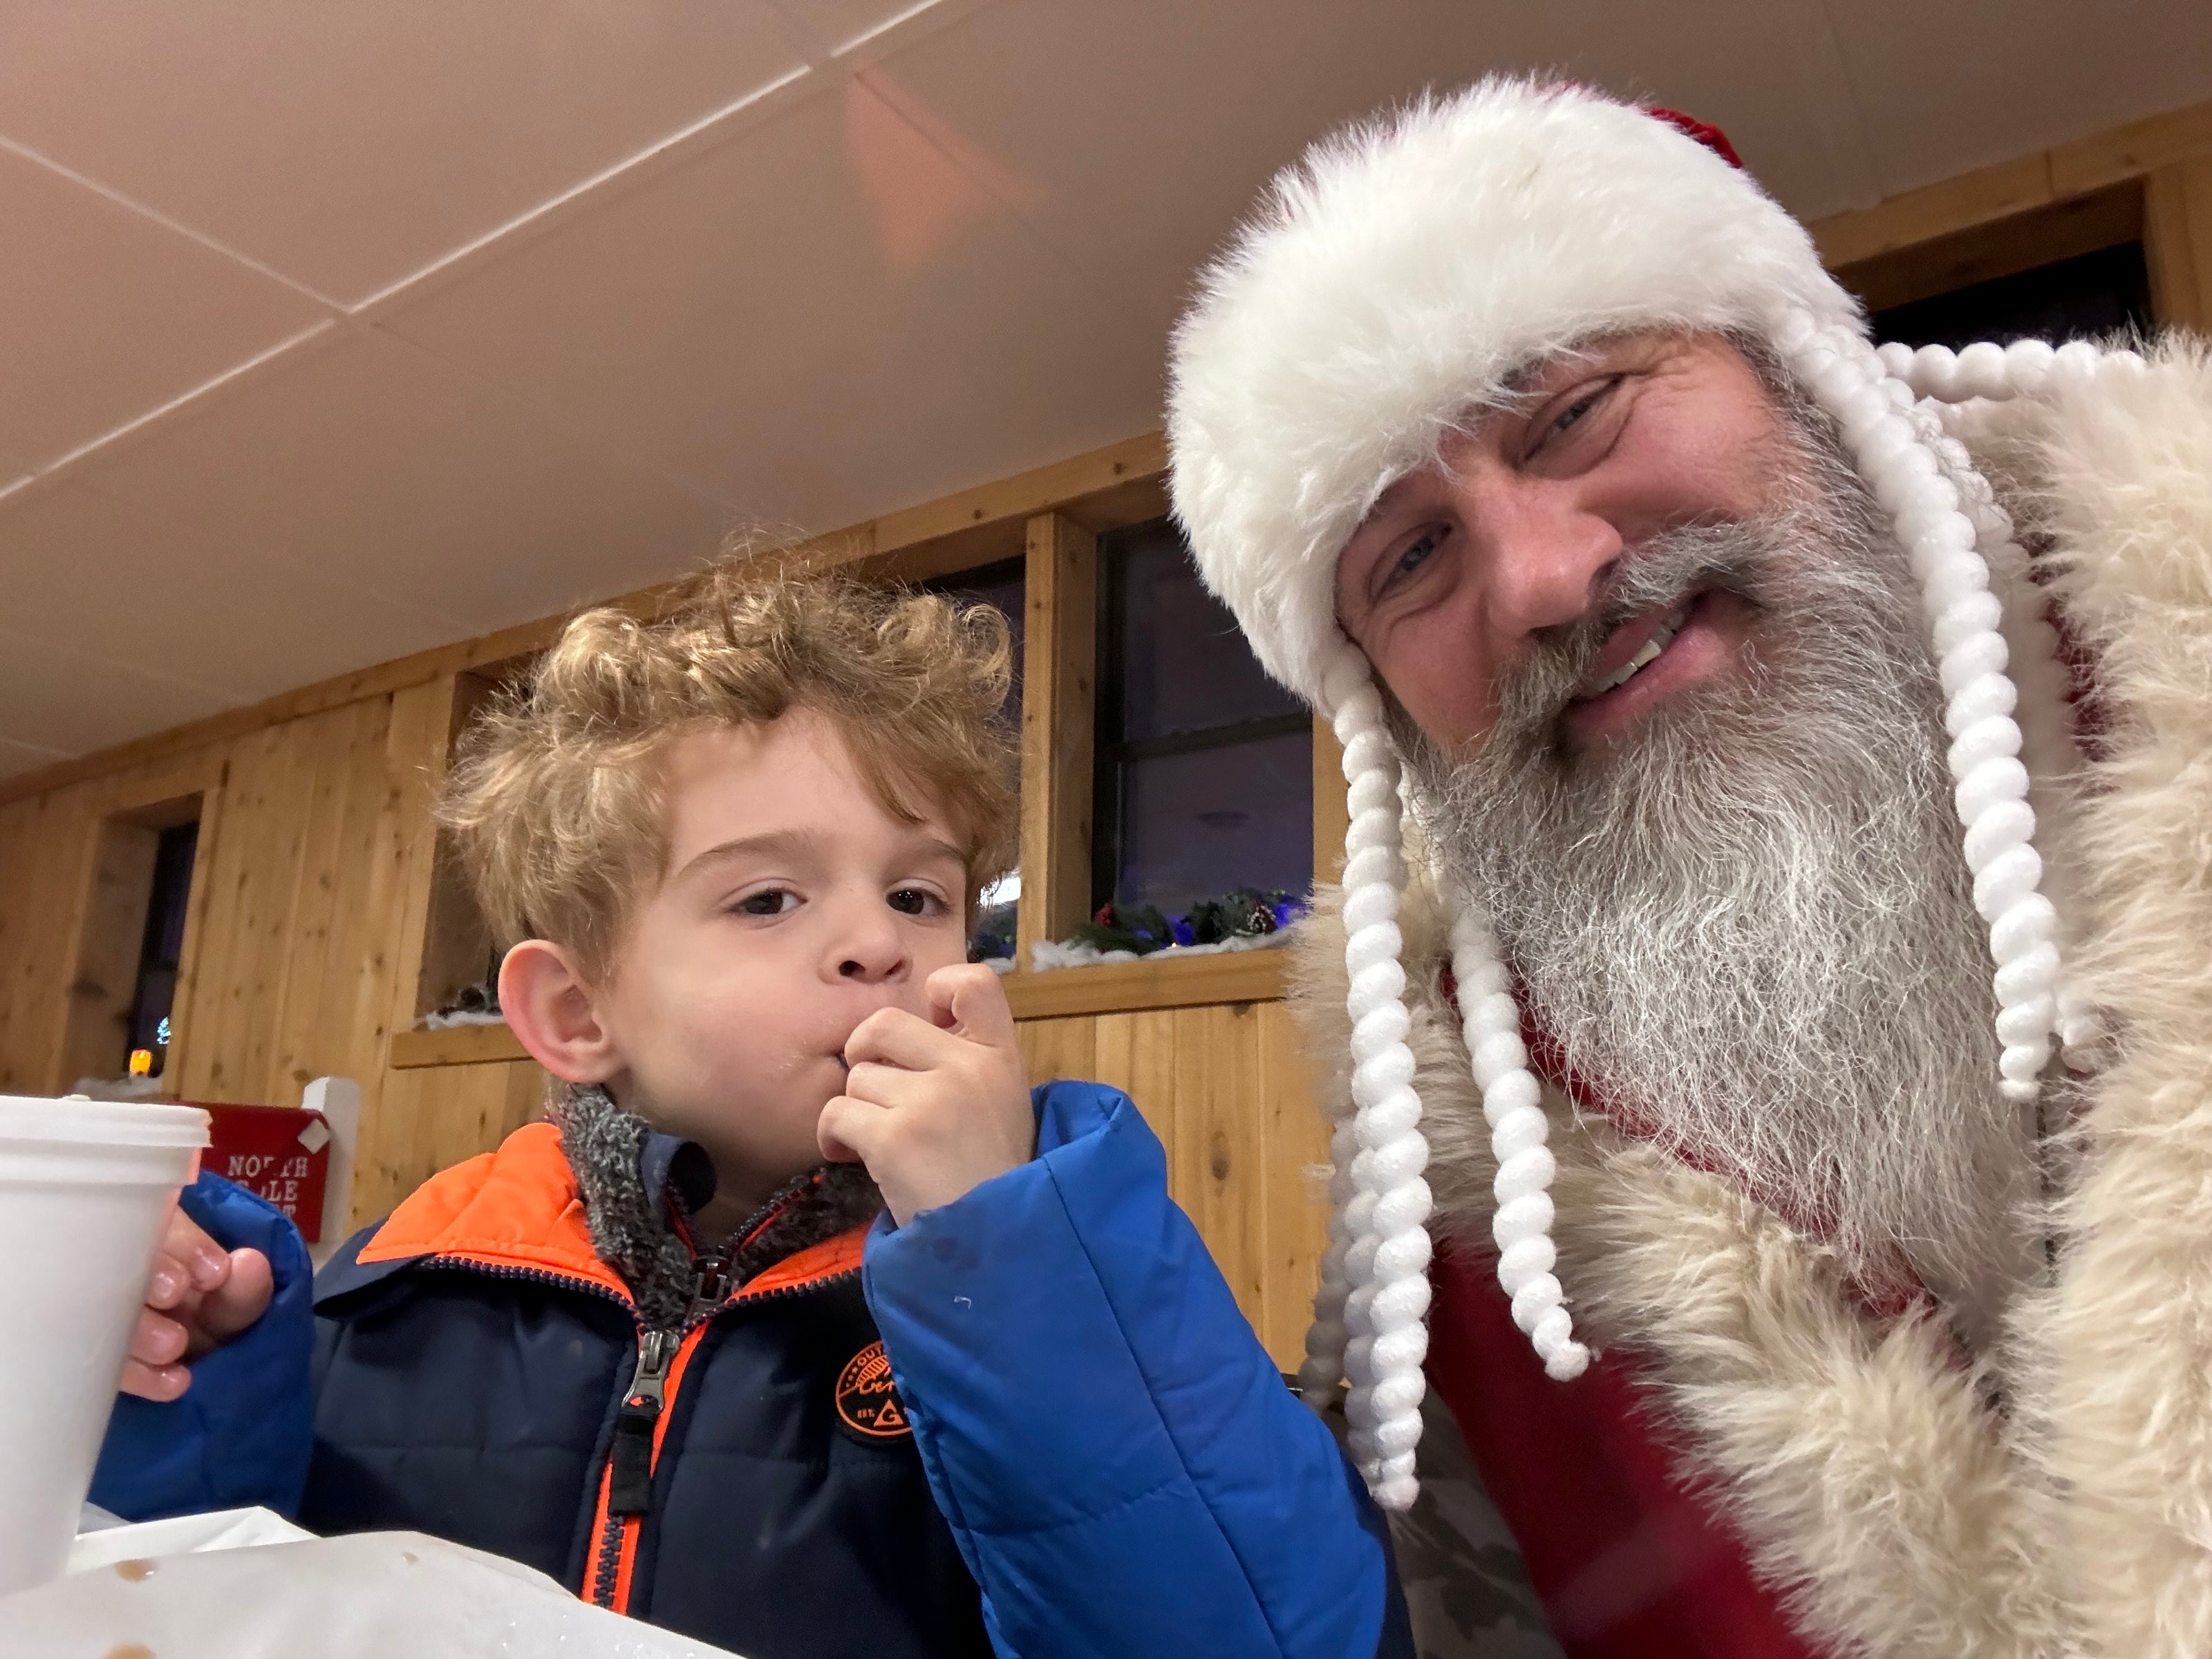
pixel 1771 982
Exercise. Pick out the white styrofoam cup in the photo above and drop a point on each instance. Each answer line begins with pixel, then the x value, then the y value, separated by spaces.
pixel 86 1188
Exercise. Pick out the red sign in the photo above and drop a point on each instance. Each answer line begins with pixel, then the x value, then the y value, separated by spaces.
pixel 278 1152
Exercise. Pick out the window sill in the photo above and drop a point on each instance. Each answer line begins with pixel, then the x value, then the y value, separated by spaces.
pixel 1123 987
pixel 457 1045
pixel 1110 988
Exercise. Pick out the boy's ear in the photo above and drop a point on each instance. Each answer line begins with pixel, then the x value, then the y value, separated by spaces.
pixel 551 1011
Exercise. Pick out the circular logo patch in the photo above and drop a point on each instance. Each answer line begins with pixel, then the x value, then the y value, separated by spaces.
pixel 866 1399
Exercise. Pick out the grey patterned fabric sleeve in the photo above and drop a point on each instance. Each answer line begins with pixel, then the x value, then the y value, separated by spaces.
pixel 1466 1587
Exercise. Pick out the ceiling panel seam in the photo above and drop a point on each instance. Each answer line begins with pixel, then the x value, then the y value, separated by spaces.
pixel 140 424
pixel 154 216
pixel 231 699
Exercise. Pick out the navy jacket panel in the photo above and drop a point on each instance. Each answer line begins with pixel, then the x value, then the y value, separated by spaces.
pixel 828 1535
pixel 470 1406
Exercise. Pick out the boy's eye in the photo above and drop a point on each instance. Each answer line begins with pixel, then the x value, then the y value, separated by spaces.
pixel 768 902
pixel 915 901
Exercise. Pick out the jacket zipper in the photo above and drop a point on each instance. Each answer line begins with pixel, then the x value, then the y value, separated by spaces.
pixel 630 1458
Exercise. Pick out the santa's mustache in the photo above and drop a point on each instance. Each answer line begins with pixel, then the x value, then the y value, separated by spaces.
pixel 1665 570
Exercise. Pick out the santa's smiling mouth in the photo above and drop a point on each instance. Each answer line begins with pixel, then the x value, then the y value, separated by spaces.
pixel 1635 647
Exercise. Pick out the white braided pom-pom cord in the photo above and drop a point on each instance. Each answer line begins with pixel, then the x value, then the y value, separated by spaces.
pixel 2035 663
pixel 1490 1021
pixel 2025 368
pixel 1383 1205
pixel 1901 465
pixel 1985 369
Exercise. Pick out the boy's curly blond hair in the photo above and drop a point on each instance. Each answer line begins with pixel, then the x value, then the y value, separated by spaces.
pixel 555 800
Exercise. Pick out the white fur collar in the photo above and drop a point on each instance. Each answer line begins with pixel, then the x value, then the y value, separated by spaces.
pixel 1859 1461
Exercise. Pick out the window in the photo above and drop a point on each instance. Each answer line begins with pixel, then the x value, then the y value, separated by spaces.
pixel 2084 297
pixel 1004 586
pixel 1204 766
pixel 162 948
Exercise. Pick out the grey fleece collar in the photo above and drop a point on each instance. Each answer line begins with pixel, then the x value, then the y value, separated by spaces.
pixel 625 1172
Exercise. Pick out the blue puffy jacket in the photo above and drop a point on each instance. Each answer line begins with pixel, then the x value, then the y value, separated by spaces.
pixel 1123 1471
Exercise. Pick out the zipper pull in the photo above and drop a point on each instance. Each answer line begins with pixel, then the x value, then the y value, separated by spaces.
pixel 629 1485
pixel 710 1284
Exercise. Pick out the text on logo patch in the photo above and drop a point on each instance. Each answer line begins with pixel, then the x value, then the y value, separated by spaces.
pixel 866 1399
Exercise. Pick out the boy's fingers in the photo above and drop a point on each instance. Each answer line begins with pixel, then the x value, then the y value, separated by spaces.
pixel 892 1036
pixel 882 1086
pixel 161 1383
pixel 170 1283
pixel 157 1340
pixel 848 1129
pixel 242 1297
pixel 970 997
pixel 203 1262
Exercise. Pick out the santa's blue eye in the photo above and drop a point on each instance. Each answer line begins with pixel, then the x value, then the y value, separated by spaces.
pixel 1415 556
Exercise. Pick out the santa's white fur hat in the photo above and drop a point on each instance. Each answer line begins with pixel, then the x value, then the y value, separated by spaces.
pixel 1393 283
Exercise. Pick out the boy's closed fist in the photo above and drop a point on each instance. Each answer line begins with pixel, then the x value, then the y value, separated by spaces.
pixel 200 1296
pixel 934 1107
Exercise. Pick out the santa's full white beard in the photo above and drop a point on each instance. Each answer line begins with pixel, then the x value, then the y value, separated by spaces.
pixel 1749 922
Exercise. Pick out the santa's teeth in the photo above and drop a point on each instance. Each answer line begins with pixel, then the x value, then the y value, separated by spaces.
pixel 1662 637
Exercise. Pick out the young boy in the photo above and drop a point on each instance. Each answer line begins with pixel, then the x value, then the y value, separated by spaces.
pixel 664 1347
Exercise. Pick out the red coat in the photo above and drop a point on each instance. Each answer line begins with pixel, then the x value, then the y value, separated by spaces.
pixel 1629 1564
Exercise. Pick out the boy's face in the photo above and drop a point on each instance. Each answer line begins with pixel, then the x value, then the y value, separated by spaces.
pixel 794 906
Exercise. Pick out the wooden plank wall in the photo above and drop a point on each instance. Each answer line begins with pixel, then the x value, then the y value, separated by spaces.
pixel 311 830
pixel 1224 1088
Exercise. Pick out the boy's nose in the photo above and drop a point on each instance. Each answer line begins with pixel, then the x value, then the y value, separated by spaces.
pixel 871 951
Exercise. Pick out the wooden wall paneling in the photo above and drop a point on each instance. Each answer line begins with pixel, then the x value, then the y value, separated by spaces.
pixel 1213 1160
pixel 18 841
pixel 456 1112
pixel 200 906
pixel 1332 811
pixel 110 934
pixel 1295 1198
pixel 56 875
pixel 2178 242
pixel 388 1164
pixel 258 872
pixel 315 1034
pixel 1059 672
pixel 1982 252
pixel 1056 1048
pixel 219 885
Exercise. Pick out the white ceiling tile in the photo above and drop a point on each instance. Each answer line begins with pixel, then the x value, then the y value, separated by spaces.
pixel 93 574
pixel 822 320
pixel 1138 134
pixel 837 24
pixel 350 145
pixel 54 698
pixel 1947 89
pixel 105 314
pixel 370 465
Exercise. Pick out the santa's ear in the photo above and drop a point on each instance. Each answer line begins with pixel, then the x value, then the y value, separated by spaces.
pixel 551 1008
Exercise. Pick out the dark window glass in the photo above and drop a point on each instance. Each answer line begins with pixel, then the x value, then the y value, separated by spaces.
pixel 1004 586
pixel 2089 295
pixel 163 945
pixel 1205 765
